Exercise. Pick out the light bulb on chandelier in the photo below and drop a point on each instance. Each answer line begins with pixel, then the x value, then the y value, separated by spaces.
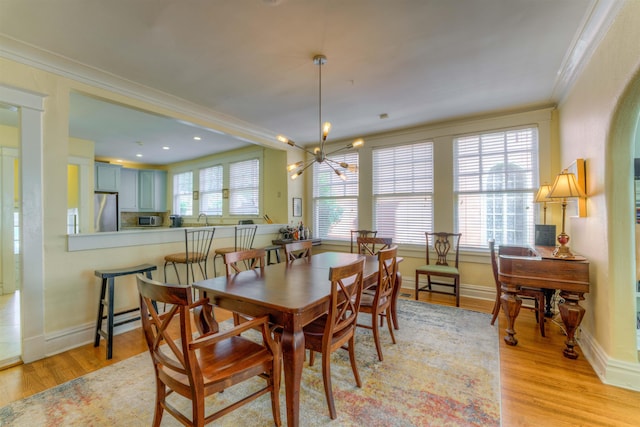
pixel 318 154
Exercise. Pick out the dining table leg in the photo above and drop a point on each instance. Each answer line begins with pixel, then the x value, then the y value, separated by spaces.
pixel 292 343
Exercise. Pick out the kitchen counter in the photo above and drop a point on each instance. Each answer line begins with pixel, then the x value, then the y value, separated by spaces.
pixel 140 236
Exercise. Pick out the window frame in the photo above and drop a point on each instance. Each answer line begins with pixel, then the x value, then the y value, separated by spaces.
pixel 214 192
pixel 403 174
pixel 347 200
pixel 517 191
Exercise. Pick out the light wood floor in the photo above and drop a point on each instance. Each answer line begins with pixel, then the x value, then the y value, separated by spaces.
pixel 539 386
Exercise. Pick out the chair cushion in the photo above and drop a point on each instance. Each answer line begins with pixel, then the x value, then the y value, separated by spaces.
pixel 437 269
pixel 366 299
pixel 181 258
pixel 225 250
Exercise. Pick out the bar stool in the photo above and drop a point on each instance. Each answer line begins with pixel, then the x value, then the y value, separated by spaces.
pixel 269 250
pixel 108 277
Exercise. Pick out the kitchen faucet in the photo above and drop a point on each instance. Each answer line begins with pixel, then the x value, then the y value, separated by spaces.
pixel 206 218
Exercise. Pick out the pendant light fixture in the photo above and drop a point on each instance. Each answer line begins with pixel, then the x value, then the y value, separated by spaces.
pixel 319 155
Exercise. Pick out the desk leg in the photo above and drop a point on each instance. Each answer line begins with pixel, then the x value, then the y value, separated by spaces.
pixel 572 314
pixel 293 359
pixel 511 307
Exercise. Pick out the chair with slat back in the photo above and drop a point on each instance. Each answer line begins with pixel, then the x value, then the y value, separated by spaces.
pixel 251 258
pixel 333 330
pixel 235 262
pixel 444 265
pixel 373 245
pixel 360 233
pixel 197 367
pixel 243 236
pixel 298 250
pixel 197 246
pixel 535 294
pixel 379 304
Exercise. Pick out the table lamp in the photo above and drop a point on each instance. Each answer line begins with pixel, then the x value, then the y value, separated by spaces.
pixel 564 187
pixel 542 197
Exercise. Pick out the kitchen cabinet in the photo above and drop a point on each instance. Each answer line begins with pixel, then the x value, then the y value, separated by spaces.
pixel 152 190
pixel 128 195
pixel 143 190
pixel 107 177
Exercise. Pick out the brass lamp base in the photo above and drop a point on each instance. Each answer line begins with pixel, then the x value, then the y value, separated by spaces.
pixel 563 251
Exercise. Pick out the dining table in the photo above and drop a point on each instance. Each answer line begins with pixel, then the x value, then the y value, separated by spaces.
pixel 292 295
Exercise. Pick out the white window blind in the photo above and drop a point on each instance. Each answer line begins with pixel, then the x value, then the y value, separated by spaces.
pixel 244 187
pixel 211 190
pixel 335 202
pixel 403 192
pixel 495 180
pixel 183 193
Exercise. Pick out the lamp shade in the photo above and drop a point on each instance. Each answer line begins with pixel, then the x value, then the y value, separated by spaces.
pixel 565 186
pixel 543 193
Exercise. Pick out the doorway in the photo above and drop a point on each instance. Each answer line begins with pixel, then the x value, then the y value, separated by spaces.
pixel 10 247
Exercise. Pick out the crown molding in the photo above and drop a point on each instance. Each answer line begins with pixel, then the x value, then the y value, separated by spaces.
pixel 35 57
pixel 595 25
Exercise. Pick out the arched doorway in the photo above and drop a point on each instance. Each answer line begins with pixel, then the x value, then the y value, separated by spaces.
pixel 621 212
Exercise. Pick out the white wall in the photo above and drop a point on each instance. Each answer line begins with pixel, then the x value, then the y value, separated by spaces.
pixel 597 123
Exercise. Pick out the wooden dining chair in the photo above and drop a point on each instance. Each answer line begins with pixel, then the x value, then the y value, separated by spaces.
pixel 373 245
pixel 360 233
pixel 197 367
pixel 535 294
pixel 251 259
pixel 444 265
pixel 243 236
pixel 333 330
pixel 197 246
pixel 298 250
pixel 379 304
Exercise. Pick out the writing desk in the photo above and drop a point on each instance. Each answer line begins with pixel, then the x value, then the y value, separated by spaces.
pixel 292 296
pixel 538 268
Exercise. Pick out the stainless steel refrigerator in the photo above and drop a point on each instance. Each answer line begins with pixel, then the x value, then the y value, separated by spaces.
pixel 105 211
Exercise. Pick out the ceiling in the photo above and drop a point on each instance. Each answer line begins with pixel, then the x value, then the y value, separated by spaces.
pixel 250 61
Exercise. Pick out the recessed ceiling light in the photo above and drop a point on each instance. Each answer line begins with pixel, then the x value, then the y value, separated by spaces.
pixel 138 155
pixel 165 148
pixel 197 138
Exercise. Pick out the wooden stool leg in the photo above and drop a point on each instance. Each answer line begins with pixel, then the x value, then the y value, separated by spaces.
pixel 103 290
pixel 110 319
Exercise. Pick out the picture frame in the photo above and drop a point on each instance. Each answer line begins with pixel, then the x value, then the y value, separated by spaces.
pixel 578 207
pixel 297 207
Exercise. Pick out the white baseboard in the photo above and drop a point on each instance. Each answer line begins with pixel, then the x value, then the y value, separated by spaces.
pixel 610 371
pixel 466 290
pixel 68 339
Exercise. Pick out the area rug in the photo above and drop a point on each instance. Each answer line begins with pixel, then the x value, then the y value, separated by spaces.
pixel 443 371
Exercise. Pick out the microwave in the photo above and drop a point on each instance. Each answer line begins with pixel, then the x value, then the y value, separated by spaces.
pixel 150 221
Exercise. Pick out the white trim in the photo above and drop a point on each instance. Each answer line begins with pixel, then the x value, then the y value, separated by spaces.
pixel 65 67
pixel 610 371
pixel 595 25
pixel 32 238
pixel 71 338
pixel 151 236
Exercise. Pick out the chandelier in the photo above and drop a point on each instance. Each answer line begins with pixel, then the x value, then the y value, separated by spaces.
pixel 319 155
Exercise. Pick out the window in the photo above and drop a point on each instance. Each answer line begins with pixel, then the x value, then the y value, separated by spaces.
pixel 183 193
pixel 335 202
pixel 211 190
pixel 403 192
pixel 495 179
pixel 244 187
